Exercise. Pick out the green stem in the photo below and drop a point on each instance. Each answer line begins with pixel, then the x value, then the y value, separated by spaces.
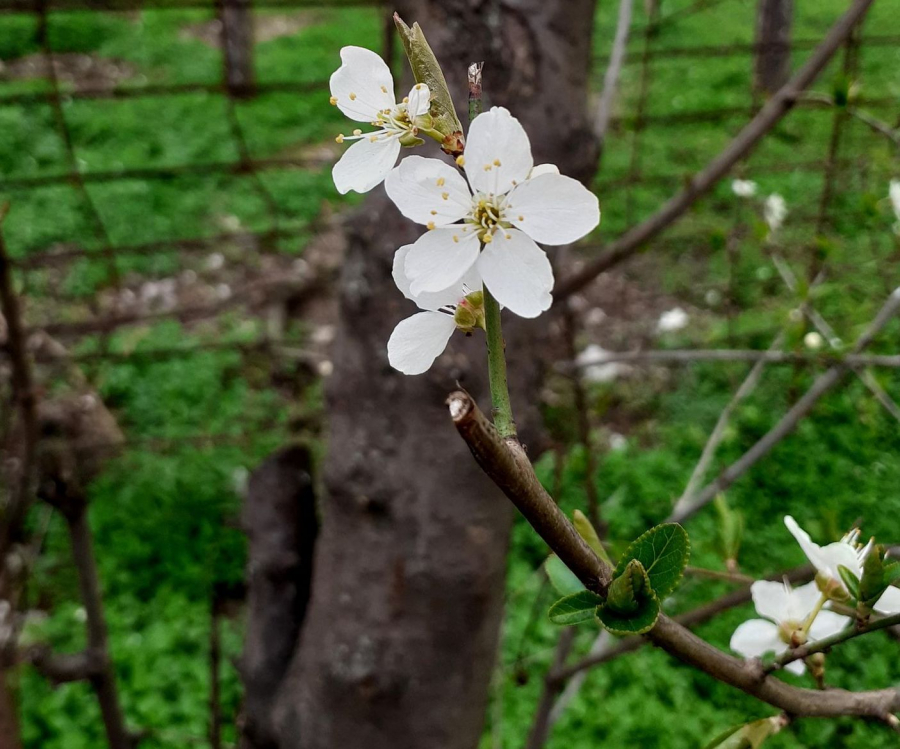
pixel 813 614
pixel 502 408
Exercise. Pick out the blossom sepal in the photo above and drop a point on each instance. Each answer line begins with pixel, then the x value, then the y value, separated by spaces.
pixel 446 127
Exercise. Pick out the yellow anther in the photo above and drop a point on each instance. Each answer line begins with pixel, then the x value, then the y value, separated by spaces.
pixel 508 236
pixel 373 138
pixel 487 238
pixel 339 139
pixel 455 238
pixel 460 160
pixel 487 167
pixel 430 225
pixel 352 96
pixel 440 182
pixel 515 182
pixel 357 132
pixel 434 213
pixel 418 87
pixel 445 195
pixel 406 100
pixel 333 101
pixel 496 162
pixel 384 89
pixel 521 218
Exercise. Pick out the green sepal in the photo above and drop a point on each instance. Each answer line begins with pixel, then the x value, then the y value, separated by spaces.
pixel 872 584
pixel 427 70
pixel 561 577
pixel 851 581
pixel 891 573
pixel 663 552
pixel 587 531
pixel 576 608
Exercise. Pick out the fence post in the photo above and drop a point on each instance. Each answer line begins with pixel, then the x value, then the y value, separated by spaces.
pixel 773 44
pixel 236 18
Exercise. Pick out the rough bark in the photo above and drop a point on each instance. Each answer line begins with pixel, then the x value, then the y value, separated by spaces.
pixel 773 40
pixel 281 524
pixel 400 639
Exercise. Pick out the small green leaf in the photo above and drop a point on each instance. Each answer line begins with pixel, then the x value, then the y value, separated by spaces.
pixel 576 608
pixel 637 622
pixel 427 70
pixel 587 531
pixel 731 528
pixel 561 577
pixel 872 584
pixel 663 551
pixel 747 736
pixel 850 580
pixel 891 573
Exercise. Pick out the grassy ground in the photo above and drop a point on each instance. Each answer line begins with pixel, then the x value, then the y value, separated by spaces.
pixel 164 519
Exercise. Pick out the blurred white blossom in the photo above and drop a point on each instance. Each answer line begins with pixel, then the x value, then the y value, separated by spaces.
pixel 743 188
pixel 775 211
pixel 594 369
pixel 672 320
pixel 894 197
pixel 813 340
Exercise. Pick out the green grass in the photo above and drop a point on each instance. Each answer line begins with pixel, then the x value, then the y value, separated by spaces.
pixel 164 519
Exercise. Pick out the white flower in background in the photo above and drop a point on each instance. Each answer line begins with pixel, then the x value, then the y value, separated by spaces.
pixel 363 89
pixel 507 206
pixel 594 369
pixel 418 340
pixel 743 188
pixel 775 211
pixel 894 197
pixel 785 611
pixel 813 340
pixel 847 552
pixel 672 320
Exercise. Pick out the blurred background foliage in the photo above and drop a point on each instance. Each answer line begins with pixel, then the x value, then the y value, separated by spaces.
pixel 166 520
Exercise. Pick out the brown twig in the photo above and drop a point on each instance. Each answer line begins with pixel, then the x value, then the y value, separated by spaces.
pixel 772 113
pixel 506 465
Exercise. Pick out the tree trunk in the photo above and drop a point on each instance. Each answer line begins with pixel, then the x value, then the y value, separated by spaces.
pixel 400 638
pixel 773 44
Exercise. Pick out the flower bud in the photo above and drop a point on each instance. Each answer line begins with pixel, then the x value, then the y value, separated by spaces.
pixel 470 312
pixel 831 588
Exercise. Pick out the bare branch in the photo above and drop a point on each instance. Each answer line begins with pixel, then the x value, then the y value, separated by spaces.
pixel 769 116
pixel 63 668
pixel 689 356
pixel 613 71
pixel 506 464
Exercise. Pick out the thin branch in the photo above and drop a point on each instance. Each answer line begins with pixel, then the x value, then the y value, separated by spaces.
pixel 505 463
pixel 542 722
pixel 769 116
pixel 63 668
pixel 789 421
pixel 689 356
pixel 827 643
pixel 613 71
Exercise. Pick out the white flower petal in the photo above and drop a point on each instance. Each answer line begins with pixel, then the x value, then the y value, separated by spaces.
pixel 365 164
pixel 811 549
pixel 433 300
pixel 553 209
pixel 797 668
pixel 517 272
pixel 840 554
pixel 755 638
pixel 802 601
pixel 540 169
pixel 497 137
pixel 428 190
pixel 437 262
pixel 828 623
pixel 363 85
pixel 419 100
pixel 889 603
pixel 418 340
pixel 772 600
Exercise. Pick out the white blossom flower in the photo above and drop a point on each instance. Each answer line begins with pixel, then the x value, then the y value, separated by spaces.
pixel 743 188
pixel 775 211
pixel 418 340
pixel 363 89
pixel 894 197
pixel 505 208
pixel 847 552
pixel 672 320
pixel 813 340
pixel 595 368
pixel 785 611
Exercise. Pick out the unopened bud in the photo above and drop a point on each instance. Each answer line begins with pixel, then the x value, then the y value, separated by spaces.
pixel 831 588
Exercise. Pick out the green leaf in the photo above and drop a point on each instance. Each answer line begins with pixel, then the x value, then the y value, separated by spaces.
pixel 663 551
pixel 891 573
pixel 587 531
pixel 561 577
pixel 747 736
pixel 427 70
pixel 731 528
pixel 872 584
pixel 850 580
pixel 637 622
pixel 576 608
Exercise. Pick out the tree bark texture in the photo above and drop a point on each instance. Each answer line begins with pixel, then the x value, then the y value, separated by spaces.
pixel 400 638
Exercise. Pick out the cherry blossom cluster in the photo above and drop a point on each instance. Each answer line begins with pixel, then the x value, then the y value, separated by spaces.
pixel 485 214
pixel 794 616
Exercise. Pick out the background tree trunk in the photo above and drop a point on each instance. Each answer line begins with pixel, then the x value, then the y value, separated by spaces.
pixel 400 638
pixel 773 40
